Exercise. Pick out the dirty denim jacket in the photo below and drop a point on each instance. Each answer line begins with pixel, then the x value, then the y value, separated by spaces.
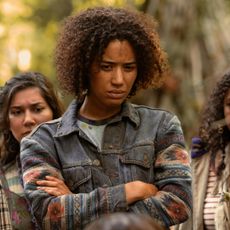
pixel 140 143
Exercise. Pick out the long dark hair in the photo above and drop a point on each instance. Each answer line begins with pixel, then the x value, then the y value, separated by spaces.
pixel 9 147
pixel 213 130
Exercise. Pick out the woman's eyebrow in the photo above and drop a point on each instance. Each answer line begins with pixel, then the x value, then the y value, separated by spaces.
pixel 111 62
pixel 31 104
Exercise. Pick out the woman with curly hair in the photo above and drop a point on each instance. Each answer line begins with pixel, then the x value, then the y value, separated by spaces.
pixel 26 100
pixel 114 156
pixel 211 163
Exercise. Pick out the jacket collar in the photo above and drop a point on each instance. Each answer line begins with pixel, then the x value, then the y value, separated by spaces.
pixel 68 122
pixel 129 111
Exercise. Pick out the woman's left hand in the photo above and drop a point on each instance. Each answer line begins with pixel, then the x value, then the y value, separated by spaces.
pixel 53 186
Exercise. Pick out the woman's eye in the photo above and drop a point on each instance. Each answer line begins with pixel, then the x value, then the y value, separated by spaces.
pixel 38 109
pixel 227 104
pixel 15 112
pixel 130 67
pixel 106 67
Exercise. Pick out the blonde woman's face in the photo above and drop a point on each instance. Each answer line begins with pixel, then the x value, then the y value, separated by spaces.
pixel 227 108
pixel 27 110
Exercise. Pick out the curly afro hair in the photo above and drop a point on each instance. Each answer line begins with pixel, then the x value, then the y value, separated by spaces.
pixel 213 130
pixel 86 35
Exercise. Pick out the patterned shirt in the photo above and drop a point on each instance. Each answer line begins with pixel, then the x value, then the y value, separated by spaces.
pixel 14 211
pixel 5 221
pixel 210 202
pixel 10 174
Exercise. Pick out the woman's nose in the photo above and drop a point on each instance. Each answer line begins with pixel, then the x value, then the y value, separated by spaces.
pixel 118 76
pixel 29 119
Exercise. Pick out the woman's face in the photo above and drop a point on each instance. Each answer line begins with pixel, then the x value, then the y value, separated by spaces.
pixel 227 108
pixel 112 79
pixel 27 110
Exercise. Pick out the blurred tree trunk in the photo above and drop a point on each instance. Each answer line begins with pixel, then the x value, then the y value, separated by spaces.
pixel 196 37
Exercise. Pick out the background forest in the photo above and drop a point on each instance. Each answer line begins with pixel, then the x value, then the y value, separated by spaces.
pixel 195 34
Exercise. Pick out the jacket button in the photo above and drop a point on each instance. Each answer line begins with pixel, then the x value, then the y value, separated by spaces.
pixel 96 162
pixel 146 159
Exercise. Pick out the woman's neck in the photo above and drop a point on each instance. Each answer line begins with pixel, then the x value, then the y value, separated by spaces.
pixel 93 112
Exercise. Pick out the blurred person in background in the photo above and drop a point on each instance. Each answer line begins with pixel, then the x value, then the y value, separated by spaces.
pixel 124 221
pixel 211 163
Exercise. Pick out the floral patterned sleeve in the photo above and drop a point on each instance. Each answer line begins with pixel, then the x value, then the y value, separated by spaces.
pixel 172 204
pixel 68 211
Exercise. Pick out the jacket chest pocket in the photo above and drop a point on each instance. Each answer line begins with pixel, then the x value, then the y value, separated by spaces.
pixel 78 177
pixel 85 177
pixel 137 164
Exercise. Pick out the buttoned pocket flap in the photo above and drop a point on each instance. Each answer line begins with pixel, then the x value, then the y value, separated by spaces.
pixel 77 175
pixel 141 155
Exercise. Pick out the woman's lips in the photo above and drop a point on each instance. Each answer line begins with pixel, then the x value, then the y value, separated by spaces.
pixel 116 94
pixel 26 133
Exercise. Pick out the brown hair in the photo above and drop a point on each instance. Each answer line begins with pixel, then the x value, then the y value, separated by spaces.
pixel 213 131
pixel 86 35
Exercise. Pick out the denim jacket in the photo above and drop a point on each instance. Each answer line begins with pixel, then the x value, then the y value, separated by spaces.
pixel 140 143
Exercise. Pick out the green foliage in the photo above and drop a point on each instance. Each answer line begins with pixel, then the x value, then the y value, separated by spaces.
pixel 30 27
pixel 46 11
pixel 83 4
